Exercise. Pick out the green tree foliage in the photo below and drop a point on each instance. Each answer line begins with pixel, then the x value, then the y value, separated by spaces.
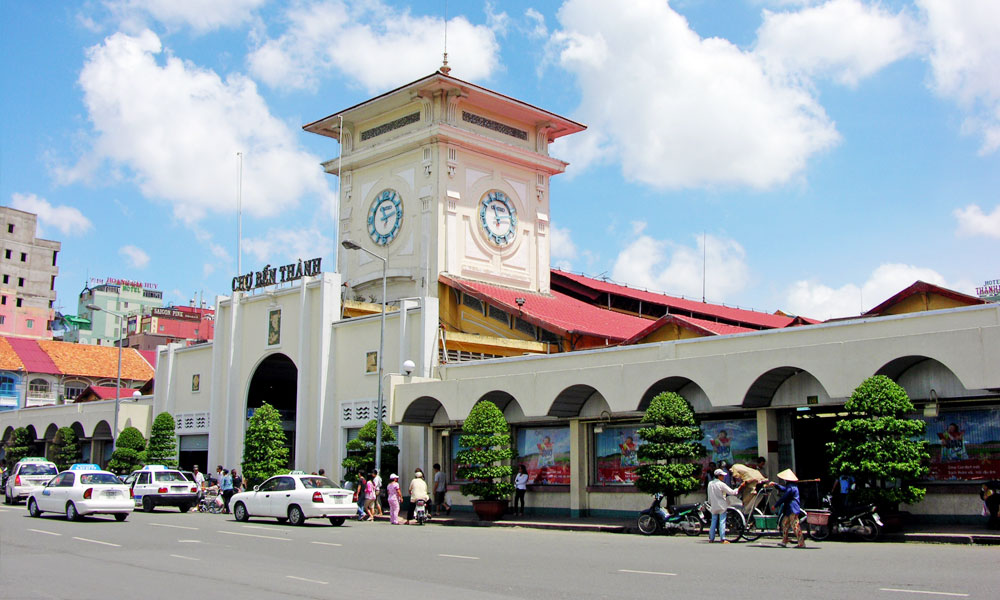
pixel 264 451
pixel 485 444
pixel 672 442
pixel 130 452
pixel 877 444
pixel 361 451
pixel 162 449
pixel 65 448
pixel 18 446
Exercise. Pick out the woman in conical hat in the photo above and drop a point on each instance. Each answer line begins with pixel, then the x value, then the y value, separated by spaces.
pixel 788 513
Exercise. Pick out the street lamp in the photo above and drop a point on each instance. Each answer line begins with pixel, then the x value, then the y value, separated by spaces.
pixel 381 346
pixel 118 386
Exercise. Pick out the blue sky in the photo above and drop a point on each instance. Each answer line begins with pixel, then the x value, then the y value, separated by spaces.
pixel 827 153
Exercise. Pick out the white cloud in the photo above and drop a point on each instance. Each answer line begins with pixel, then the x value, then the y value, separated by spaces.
pixel 66 219
pixel 378 46
pixel 845 39
pixel 136 257
pixel 965 60
pixel 499 22
pixel 282 246
pixel 973 221
pixel 200 15
pixel 819 301
pixel 561 248
pixel 673 268
pixel 176 129
pixel 678 110
pixel 536 21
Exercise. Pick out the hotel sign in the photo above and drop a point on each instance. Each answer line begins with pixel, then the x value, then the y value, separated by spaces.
pixel 990 290
pixel 273 275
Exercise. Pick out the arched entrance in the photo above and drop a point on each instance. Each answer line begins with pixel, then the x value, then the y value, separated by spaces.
pixel 275 382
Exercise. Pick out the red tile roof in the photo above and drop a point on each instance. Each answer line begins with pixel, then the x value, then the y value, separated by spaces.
pixel 149 356
pixel 33 356
pixel 104 392
pixel 701 326
pixel 9 360
pixel 921 287
pixel 65 358
pixel 754 319
pixel 555 312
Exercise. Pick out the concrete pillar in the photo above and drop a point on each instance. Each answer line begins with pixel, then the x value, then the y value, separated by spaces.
pixel 767 439
pixel 578 499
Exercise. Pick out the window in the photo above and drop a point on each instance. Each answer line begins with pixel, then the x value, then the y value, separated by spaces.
pixel 20 282
pixel 73 390
pixel 30 323
pixel 3 318
pixel 52 283
pixel 38 387
pixel 7 385
pixel 67 479
pixel 3 300
pixel 6 278
pixel 24 256
pixel 10 228
pixel 143 478
pixel 7 254
pixel 54 254
pixel 18 303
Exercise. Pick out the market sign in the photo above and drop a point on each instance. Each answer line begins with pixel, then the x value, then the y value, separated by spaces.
pixel 990 290
pixel 269 275
pixel 173 313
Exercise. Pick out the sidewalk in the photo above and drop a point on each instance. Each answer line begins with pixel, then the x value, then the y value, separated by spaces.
pixel 936 534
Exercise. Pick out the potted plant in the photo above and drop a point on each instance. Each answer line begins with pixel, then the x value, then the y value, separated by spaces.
pixel 485 443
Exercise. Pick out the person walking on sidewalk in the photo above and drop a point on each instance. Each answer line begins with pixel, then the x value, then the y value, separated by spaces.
pixel 717 492
pixel 226 488
pixel 395 498
pixel 520 488
pixel 788 514
pixel 377 483
pixel 440 489
pixel 359 496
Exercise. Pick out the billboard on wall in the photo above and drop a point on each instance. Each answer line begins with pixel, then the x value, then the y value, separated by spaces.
pixel 964 444
pixel 616 452
pixel 732 440
pixel 545 453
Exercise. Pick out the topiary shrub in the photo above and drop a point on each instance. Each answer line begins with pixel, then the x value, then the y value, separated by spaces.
pixel 65 449
pixel 361 452
pixel 18 446
pixel 485 442
pixel 162 448
pixel 672 442
pixel 129 453
pixel 877 444
pixel 264 451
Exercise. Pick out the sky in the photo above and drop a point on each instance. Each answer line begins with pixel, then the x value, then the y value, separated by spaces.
pixel 820 155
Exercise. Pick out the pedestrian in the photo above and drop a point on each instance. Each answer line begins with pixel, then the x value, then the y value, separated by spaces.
pixel 377 482
pixel 395 497
pixel 237 481
pixel 520 488
pixel 226 487
pixel 359 496
pixel 321 472
pixel 761 465
pixel 418 491
pixel 370 500
pixel 840 491
pixel 717 492
pixel 440 488
pixel 708 475
pixel 729 476
pixel 789 508
pixel 199 478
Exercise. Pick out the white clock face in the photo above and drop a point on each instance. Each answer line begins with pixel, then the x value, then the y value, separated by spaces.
pixel 498 218
pixel 385 217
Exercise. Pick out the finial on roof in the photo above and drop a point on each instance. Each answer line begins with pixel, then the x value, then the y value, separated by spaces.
pixel 444 66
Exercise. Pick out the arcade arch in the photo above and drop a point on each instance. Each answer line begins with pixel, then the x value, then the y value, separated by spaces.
pixel 275 381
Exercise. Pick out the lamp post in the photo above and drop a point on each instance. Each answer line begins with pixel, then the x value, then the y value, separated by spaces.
pixel 118 385
pixel 381 346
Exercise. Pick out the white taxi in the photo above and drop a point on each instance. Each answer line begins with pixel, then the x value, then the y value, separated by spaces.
pixel 294 498
pixel 158 485
pixel 28 475
pixel 82 490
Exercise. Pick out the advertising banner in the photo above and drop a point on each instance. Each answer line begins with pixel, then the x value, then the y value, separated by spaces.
pixel 964 444
pixel 733 441
pixel 617 456
pixel 545 452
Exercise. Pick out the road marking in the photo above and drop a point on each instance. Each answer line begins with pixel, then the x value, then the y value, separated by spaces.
pixel 174 526
pixel 254 535
pixel 923 592
pixel 45 532
pixel 646 572
pixel 327 544
pixel 188 541
pixel 459 556
pixel 97 542
pixel 257 527
pixel 4 510
pixel 184 557
pixel 306 580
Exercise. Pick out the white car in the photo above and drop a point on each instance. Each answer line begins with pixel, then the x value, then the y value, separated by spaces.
pixel 294 498
pixel 157 485
pixel 27 475
pixel 84 489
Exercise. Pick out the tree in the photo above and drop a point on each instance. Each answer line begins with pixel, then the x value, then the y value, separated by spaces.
pixel 18 446
pixel 162 449
pixel 878 445
pixel 485 443
pixel 361 451
pixel 672 442
pixel 264 450
pixel 65 448
pixel 129 453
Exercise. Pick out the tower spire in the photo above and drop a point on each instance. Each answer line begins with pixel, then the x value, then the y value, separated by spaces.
pixel 445 69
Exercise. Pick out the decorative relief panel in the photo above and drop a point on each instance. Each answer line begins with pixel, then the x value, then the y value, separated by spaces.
pixel 494 125
pixel 390 126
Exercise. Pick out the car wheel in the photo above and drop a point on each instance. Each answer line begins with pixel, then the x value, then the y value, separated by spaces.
pixel 648 524
pixel 33 508
pixel 6 497
pixel 147 504
pixel 71 512
pixel 120 517
pixel 295 516
pixel 240 512
pixel 184 507
pixel 337 521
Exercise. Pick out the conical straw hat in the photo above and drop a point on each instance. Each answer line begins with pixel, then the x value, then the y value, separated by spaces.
pixel 788 475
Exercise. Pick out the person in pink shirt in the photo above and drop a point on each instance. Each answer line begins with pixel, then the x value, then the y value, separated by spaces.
pixel 395 498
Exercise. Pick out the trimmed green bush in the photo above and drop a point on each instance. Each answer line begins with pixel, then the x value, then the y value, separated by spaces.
pixel 672 442
pixel 264 451
pixel 18 446
pixel 162 449
pixel 130 452
pixel 361 452
pixel 485 444
pixel 65 448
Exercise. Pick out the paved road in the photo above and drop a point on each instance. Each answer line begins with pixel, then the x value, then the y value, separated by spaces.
pixel 152 556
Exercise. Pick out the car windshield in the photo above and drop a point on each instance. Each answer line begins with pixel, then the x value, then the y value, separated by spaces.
pixel 316 482
pixel 99 479
pixel 169 476
pixel 37 470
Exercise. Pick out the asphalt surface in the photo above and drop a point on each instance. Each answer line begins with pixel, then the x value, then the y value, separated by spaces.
pixel 167 554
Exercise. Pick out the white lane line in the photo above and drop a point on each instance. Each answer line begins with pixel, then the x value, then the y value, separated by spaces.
pixel 306 580
pixel 327 544
pixel 183 557
pixel 174 526
pixel 188 541
pixel 257 527
pixel 924 592
pixel 646 572
pixel 45 532
pixel 459 556
pixel 97 542
pixel 4 510
pixel 254 535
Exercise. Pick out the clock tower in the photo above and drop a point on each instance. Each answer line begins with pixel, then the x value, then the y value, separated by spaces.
pixel 444 176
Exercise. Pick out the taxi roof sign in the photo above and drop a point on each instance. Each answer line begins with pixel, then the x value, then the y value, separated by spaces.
pixel 85 467
pixel 296 472
pixel 154 468
pixel 34 459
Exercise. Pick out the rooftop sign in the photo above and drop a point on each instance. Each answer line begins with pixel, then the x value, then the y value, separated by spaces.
pixel 989 290
pixel 173 313
pixel 269 275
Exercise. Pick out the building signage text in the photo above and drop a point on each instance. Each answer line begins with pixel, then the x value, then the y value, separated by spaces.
pixel 127 283
pixel 989 289
pixel 173 313
pixel 273 275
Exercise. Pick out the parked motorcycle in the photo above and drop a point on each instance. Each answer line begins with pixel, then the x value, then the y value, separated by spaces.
pixel 420 513
pixel 686 518
pixel 862 521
